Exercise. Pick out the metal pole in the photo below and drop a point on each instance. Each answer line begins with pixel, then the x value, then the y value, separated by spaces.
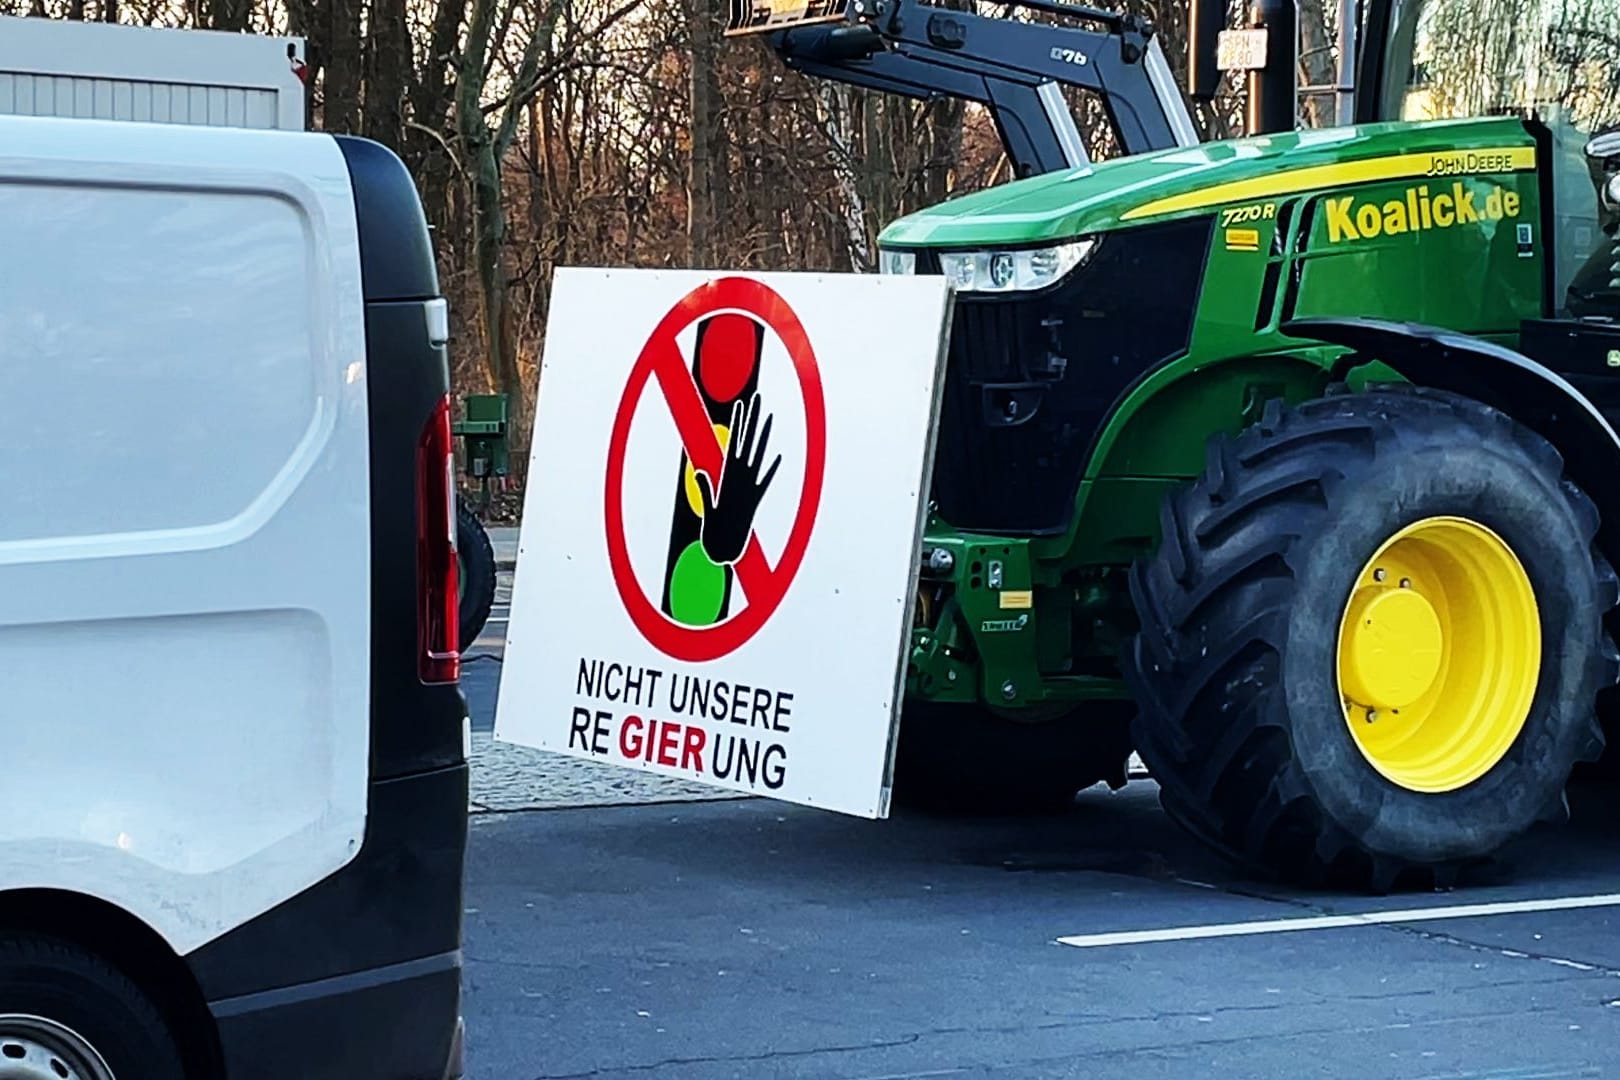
pixel 1273 103
pixel 1205 20
pixel 1349 13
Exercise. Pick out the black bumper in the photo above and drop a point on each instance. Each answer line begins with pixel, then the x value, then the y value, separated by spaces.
pixel 401 1022
pixel 318 987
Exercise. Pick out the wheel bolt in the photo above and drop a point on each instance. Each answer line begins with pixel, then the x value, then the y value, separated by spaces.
pixel 1406 583
pixel 1372 715
pixel 1379 575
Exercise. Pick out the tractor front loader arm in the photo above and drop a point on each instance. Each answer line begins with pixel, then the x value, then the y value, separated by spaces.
pixel 1013 67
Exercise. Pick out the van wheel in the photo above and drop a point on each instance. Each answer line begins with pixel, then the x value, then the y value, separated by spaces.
pixel 66 1014
pixel 476 572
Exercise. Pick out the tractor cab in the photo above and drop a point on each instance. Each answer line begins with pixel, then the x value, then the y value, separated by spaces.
pixel 1594 291
pixel 1556 62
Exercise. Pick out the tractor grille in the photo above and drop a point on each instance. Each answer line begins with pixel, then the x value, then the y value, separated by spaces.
pixel 1031 378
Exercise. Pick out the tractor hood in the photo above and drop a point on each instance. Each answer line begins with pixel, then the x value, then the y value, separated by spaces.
pixel 1197 179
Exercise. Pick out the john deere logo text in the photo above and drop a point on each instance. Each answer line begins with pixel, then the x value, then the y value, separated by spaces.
pixel 1482 161
pixel 1351 219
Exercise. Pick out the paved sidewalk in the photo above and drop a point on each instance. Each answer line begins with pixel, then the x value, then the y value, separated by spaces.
pixel 504 538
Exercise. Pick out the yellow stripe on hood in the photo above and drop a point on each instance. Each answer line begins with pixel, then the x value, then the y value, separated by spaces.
pixel 1438 163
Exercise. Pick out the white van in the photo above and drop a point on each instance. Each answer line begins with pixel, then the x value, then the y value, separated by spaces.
pixel 233 811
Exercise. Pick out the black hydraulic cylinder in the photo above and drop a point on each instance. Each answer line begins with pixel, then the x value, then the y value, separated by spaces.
pixel 1274 88
pixel 1205 20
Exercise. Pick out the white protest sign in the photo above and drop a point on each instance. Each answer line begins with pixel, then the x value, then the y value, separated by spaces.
pixel 724 506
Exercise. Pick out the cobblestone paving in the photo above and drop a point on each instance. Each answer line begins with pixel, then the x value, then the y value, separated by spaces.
pixel 506 777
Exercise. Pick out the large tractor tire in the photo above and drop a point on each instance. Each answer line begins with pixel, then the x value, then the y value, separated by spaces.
pixel 958 758
pixel 1371 640
pixel 476 572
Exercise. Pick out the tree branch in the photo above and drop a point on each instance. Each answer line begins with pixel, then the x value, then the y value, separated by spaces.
pixel 526 88
pixel 455 158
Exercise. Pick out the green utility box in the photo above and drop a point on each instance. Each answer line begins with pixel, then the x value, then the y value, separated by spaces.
pixel 485 430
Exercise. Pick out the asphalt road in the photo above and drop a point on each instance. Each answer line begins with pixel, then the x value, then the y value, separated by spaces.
pixel 751 939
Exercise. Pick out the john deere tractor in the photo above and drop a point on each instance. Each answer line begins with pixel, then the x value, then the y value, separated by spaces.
pixel 1286 461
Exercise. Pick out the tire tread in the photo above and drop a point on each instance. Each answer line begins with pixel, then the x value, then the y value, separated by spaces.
pixel 479 567
pixel 27 955
pixel 1226 541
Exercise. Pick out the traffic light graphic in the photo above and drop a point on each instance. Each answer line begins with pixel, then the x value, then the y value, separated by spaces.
pixel 712 518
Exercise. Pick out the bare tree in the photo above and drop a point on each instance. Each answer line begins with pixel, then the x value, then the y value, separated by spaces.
pixel 549 132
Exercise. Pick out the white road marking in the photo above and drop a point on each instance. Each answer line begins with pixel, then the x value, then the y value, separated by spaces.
pixel 1576 964
pixel 1338 922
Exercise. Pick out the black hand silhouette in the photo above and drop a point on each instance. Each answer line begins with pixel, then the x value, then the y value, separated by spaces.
pixel 728 514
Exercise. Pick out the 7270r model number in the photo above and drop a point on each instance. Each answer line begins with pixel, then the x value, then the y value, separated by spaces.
pixel 1253 212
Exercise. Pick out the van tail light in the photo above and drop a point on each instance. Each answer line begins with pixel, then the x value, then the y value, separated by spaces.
pixel 437 572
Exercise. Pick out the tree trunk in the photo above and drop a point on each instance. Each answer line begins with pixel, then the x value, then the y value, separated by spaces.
pixel 1316 63
pixel 387 61
pixel 489 239
pixel 431 100
pixel 231 15
pixel 838 126
pixel 545 162
pixel 554 146
pixel 943 120
pixel 482 151
pixel 708 181
pixel 570 177
pixel 341 108
pixel 478 155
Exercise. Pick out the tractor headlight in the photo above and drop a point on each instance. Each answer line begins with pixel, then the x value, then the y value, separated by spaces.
pixel 897 262
pixel 1012 271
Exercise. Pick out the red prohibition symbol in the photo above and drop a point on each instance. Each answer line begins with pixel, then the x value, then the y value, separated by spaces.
pixel 661 360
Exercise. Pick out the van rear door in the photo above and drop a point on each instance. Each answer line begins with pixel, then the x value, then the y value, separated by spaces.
pixel 185 542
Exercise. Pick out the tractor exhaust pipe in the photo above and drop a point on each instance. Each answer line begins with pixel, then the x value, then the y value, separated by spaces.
pixel 1274 87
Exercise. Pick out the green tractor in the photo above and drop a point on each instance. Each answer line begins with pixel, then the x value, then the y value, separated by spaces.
pixel 1284 461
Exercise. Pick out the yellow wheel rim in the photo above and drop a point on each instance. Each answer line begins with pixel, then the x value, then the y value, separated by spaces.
pixel 1439 652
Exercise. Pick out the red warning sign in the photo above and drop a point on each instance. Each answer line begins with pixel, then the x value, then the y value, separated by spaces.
pixel 719 586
